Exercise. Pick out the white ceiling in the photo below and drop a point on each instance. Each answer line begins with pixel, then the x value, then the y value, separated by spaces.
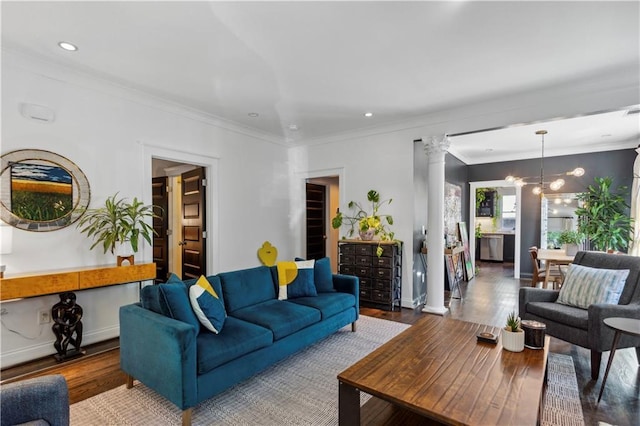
pixel 322 65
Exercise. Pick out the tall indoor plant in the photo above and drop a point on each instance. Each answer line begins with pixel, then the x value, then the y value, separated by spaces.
pixel 603 216
pixel 118 222
pixel 368 225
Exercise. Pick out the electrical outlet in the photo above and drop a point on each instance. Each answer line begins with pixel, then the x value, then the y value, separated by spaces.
pixel 44 316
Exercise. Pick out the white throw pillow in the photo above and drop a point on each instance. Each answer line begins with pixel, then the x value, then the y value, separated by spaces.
pixel 584 286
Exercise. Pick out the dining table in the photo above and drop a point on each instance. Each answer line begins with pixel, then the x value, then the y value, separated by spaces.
pixel 553 257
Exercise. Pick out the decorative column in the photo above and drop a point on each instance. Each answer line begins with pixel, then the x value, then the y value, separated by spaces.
pixel 435 149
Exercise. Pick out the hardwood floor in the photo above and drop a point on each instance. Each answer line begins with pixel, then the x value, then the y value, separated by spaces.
pixel 488 299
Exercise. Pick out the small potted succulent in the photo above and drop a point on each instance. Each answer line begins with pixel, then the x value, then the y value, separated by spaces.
pixel 513 334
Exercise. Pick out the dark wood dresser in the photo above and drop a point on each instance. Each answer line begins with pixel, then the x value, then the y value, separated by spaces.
pixel 380 277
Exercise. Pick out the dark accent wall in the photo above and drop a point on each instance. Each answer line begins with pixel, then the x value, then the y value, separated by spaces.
pixel 615 164
pixel 456 173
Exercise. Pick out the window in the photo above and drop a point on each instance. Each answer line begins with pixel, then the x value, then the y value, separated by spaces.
pixel 508 212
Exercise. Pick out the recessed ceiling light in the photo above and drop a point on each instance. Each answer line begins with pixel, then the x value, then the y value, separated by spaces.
pixel 253 114
pixel 368 114
pixel 68 46
pixel 293 127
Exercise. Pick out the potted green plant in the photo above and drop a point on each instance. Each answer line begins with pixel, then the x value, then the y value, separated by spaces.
pixel 603 216
pixel 119 224
pixel 570 240
pixel 513 334
pixel 369 225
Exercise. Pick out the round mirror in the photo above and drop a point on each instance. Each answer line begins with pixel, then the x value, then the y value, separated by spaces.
pixel 41 191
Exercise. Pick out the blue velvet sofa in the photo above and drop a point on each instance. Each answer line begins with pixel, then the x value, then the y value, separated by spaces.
pixel 162 346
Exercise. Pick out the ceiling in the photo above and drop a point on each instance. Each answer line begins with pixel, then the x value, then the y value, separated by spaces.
pixel 319 66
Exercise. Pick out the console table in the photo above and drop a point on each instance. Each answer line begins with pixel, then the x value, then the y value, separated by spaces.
pixel 66 314
pixel 74 279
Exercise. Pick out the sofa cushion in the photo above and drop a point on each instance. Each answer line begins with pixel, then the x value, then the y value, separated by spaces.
pixel 171 300
pixel 214 280
pixel 323 275
pixel 150 299
pixel 295 279
pixel 585 286
pixel 247 287
pixel 279 316
pixel 237 338
pixel 328 304
pixel 207 305
pixel 563 314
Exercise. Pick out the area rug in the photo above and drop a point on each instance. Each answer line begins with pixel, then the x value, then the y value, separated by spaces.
pixel 561 401
pixel 300 390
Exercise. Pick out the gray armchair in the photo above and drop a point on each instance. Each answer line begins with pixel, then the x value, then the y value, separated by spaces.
pixel 584 327
pixel 40 401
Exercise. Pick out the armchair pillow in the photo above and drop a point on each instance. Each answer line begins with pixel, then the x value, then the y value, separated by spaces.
pixel 585 286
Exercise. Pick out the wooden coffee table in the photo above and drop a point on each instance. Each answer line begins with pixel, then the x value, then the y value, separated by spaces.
pixel 438 370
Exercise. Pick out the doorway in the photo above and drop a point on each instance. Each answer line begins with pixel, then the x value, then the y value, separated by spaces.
pixel 514 227
pixel 322 201
pixel 181 244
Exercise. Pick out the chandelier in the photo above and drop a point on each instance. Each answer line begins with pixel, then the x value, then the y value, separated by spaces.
pixel 541 184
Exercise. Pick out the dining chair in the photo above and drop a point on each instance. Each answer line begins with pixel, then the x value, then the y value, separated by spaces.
pixel 539 275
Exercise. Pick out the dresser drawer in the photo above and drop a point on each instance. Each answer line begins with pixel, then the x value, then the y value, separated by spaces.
pixel 380 296
pixel 381 285
pixel 347 269
pixel 363 271
pixel 363 260
pixel 366 282
pixel 363 249
pixel 365 294
pixel 384 262
pixel 348 259
pixel 388 250
pixel 347 248
pixel 382 273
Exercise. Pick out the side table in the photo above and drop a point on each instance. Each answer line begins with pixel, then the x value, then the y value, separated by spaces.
pixel 620 325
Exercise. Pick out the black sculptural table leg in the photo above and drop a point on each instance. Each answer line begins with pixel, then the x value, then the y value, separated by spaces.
pixel 67 327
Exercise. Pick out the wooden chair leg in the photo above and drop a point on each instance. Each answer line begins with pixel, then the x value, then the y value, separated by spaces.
pixel 353 327
pixel 186 417
pixel 596 357
pixel 129 381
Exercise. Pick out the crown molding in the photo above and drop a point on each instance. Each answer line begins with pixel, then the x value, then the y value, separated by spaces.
pixel 87 79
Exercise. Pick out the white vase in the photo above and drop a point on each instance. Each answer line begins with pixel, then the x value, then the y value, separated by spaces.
pixel 368 234
pixel 513 341
pixel 123 250
pixel 571 249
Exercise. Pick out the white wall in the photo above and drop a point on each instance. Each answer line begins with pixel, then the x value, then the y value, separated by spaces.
pixel 107 132
pixel 380 162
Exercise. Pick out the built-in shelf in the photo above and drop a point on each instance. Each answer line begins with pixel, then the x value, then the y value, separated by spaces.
pixel 53 282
